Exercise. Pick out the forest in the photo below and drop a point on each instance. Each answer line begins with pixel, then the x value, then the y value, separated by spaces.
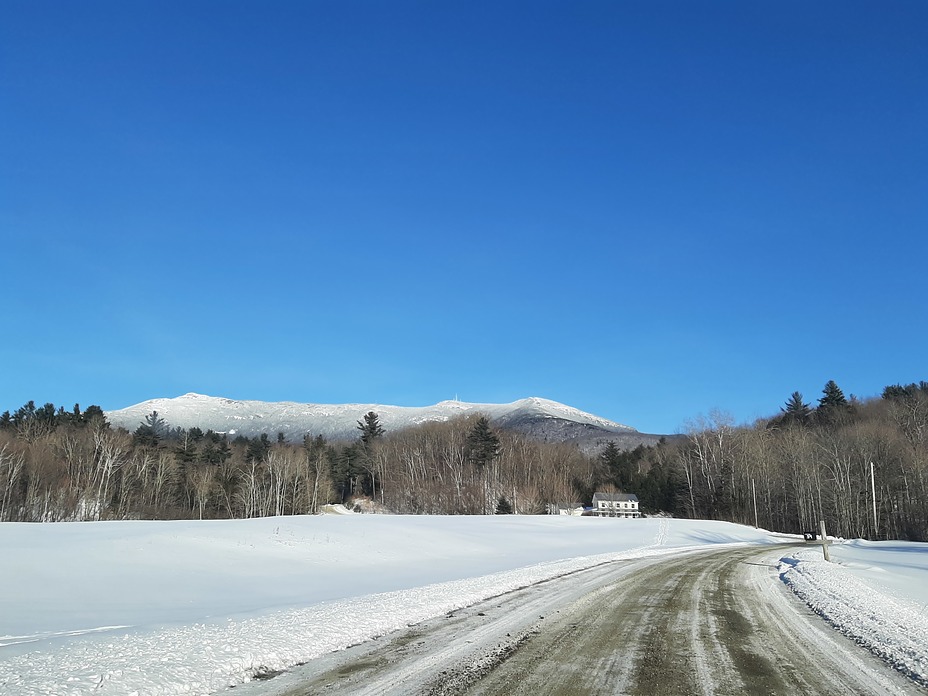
pixel 58 465
pixel 861 466
pixel 858 465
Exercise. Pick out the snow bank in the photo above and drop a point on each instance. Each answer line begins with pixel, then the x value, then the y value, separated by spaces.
pixel 871 596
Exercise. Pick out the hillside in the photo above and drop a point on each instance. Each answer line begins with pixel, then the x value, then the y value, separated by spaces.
pixel 540 419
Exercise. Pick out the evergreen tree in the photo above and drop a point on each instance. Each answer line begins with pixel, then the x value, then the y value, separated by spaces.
pixel 314 446
pixel 212 436
pixel 47 415
pixel 31 422
pixel 185 452
pixel 24 413
pixel 258 448
pixel 610 456
pixel 796 411
pixel 208 453
pixel 482 443
pixel 660 490
pixel 371 431
pixel 72 417
pixel 503 506
pixel 370 428
pixel 347 470
pixel 898 392
pixel 482 447
pixel 623 467
pixel 94 415
pixel 214 450
pixel 149 433
pixel 832 396
pixel 894 392
pixel 833 405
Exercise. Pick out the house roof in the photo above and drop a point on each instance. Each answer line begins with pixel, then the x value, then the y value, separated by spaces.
pixel 615 497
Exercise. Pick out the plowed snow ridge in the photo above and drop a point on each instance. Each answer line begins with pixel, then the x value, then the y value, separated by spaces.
pixel 892 628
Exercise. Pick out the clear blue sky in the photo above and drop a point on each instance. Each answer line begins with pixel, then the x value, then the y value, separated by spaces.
pixel 646 210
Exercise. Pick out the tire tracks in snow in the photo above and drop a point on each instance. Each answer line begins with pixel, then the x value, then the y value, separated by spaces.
pixel 710 622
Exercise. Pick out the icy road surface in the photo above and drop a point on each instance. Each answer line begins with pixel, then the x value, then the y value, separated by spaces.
pixel 716 622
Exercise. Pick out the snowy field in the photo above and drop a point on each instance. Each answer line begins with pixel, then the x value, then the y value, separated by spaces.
pixel 195 607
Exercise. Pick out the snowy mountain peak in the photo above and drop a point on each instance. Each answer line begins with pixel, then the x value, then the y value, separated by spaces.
pixel 339 421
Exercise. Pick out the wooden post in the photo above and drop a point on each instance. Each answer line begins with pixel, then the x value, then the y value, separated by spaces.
pixel 873 492
pixel 754 493
pixel 821 526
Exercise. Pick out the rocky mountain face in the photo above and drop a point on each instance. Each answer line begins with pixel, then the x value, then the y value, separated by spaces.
pixel 540 419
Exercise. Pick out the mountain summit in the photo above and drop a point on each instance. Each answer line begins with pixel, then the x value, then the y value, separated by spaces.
pixel 535 417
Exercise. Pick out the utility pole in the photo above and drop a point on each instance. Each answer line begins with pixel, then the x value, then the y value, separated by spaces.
pixel 754 493
pixel 873 493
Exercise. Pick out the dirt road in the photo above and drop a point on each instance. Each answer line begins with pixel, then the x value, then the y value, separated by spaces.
pixel 716 622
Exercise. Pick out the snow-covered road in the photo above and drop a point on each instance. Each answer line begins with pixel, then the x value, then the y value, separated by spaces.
pixel 703 622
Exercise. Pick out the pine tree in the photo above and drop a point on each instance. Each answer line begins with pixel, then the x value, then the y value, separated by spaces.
pixel 796 411
pixel 833 405
pixel 898 392
pixel 371 432
pixel 258 449
pixel 894 392
pixel 503 506
pixel 224 452
pixel 610 456
pixel 370 428
pixel 482 447
pixel 621 465
pixel 149 433
pixel 24 413
pixel 347 469
pixel 47 416
pixel 93 415
pixel 482 443
pixel 832 396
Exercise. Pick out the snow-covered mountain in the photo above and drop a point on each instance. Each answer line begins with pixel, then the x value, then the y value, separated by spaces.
pixel 538 418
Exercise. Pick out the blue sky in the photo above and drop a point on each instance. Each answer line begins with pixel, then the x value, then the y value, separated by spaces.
pixel 646 210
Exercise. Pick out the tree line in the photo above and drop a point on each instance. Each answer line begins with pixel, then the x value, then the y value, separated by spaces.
pixel 785 472
pixel 811 463
pixel 58 464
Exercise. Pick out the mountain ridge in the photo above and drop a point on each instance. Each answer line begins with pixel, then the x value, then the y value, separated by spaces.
pixel 535 417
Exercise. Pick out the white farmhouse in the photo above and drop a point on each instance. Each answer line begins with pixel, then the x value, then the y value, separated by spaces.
pixel 615 505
